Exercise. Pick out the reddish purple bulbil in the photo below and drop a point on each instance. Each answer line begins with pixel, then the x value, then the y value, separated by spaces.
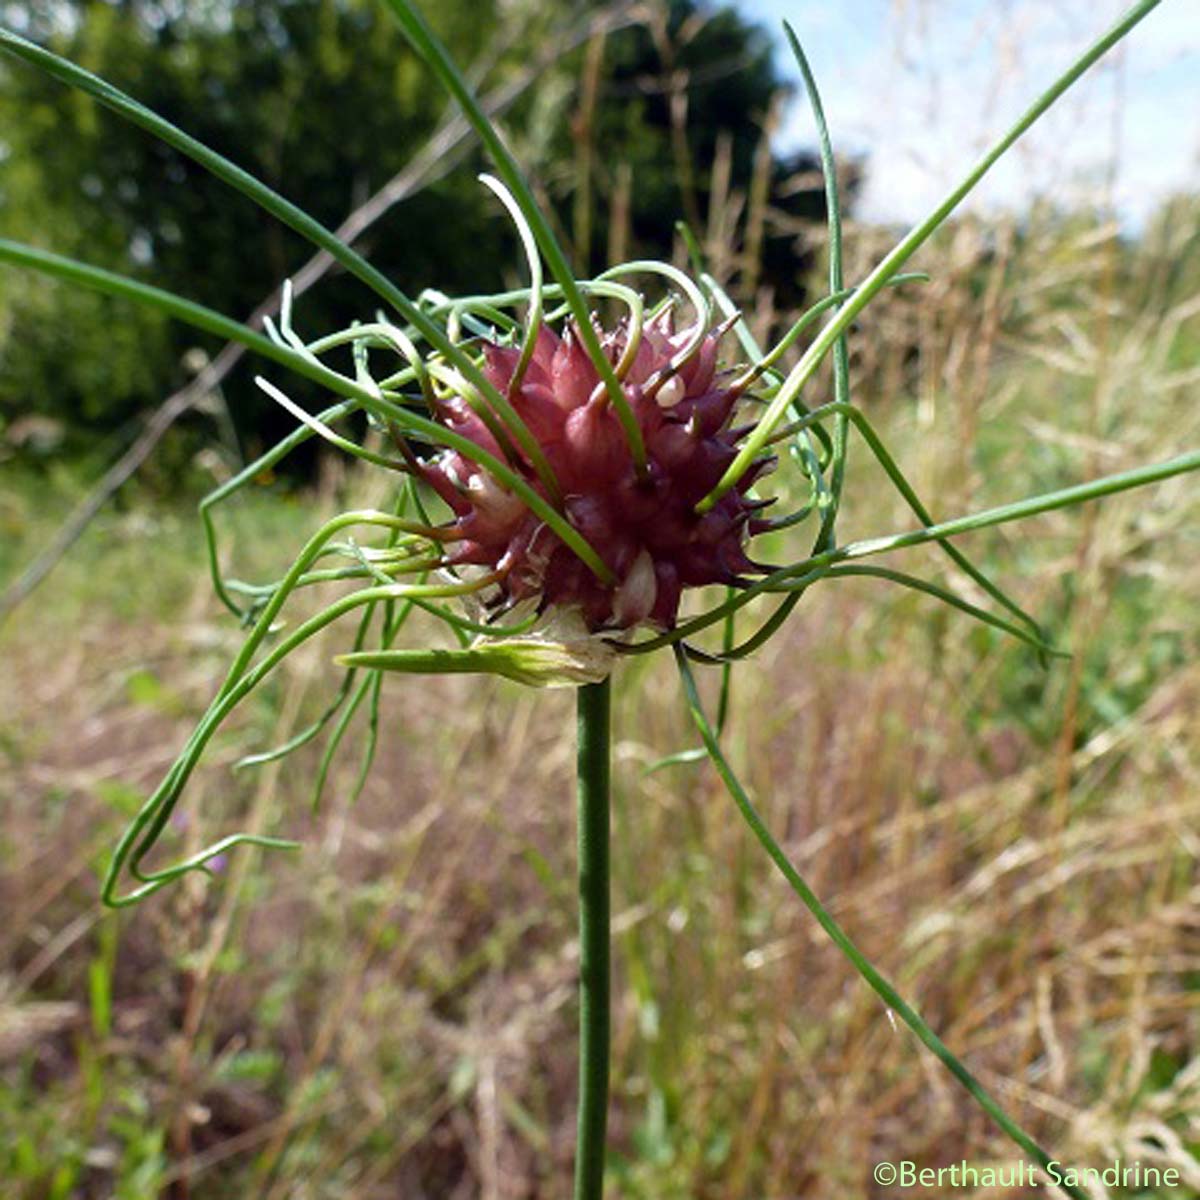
pixel 645 529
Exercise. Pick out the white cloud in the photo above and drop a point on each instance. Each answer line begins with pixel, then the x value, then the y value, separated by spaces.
pixel 922 87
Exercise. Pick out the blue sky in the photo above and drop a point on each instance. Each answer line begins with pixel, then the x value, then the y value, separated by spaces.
pixel 921 87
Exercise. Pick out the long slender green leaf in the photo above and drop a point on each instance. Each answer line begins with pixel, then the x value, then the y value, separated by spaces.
pixel 293 216
pixel 904 250
pixel 826 537
pixel 267 198
pixel 732 653
pixel 427 44
pixel 1018 510
pixel 249 472
pixel 531 661
pixel 233 331
pixel 152 818
pixel 900 481
pixel 800 575
pixel 882 988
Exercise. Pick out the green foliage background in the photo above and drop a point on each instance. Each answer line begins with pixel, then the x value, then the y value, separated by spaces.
pixel 324 101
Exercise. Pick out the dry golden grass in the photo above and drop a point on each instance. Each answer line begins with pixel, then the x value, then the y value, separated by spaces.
pixel 390 1012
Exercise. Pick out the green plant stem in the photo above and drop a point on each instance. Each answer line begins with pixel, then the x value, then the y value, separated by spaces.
pixel 882 988
pixel 593 758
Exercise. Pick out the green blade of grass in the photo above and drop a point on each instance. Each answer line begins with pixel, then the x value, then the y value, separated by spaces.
pixel 882 988
pixel 904 250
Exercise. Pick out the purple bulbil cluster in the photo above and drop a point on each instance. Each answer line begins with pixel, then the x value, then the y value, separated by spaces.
pixel 643 525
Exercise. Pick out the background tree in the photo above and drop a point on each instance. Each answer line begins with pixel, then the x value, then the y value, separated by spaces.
pixel 322 99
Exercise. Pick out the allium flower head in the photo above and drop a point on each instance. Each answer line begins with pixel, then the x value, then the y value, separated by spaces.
pixel 642 523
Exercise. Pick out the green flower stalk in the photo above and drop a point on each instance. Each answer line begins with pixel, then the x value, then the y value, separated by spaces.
pixel 561 481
